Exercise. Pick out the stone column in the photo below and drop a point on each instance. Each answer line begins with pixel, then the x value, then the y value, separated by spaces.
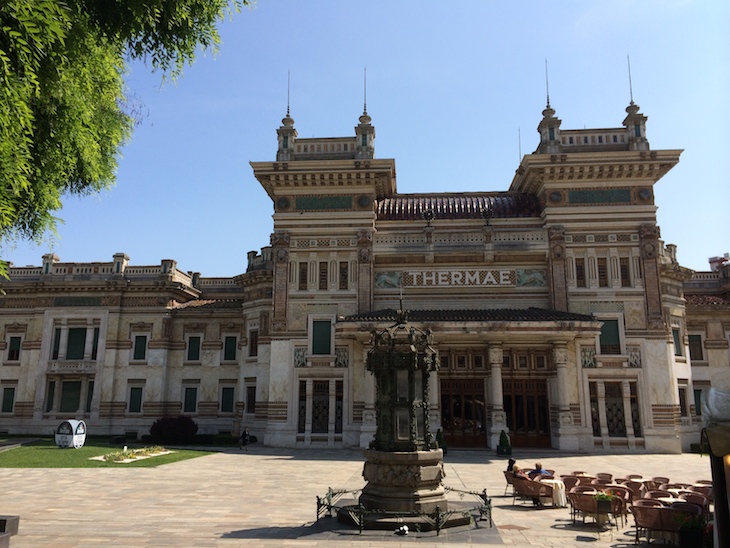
pixel 89 343
pixel 626 395
pixel 567 439
pixel 63 346
pixel 601 395
pixel 308 412
pixel 499 419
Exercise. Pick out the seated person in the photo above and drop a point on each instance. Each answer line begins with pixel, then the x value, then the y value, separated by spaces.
pixel 538 471
pixel 510 464
pixel 518 472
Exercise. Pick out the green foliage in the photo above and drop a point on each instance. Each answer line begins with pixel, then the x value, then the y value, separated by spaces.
pixel 179 429
pixel 63 109
pixel 503 439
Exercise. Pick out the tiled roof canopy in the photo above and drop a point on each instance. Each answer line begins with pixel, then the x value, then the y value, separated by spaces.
pixel 411 207
pixel 473 315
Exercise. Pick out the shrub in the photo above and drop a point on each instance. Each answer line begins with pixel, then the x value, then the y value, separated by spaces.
pixel 179 429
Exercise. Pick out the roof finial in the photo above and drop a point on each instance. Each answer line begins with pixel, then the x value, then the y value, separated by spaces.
pixel 288 90
pixel 631 87
pixel 365 91
pixel 547 83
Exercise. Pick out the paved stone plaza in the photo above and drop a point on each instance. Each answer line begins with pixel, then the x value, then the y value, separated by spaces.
pixel 267 497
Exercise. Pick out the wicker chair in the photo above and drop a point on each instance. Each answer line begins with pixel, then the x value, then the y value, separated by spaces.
pixel 508 475
pixel 532 490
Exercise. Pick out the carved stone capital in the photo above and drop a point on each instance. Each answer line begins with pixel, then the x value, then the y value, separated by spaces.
pixel 280 238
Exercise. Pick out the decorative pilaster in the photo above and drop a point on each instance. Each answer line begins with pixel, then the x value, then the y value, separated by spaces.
pixel 556 269
pixel 649 244
pixel 365 270
pixel 280 245
pixel 566 429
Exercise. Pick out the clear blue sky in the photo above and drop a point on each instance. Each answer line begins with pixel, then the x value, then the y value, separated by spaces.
pixel 450 86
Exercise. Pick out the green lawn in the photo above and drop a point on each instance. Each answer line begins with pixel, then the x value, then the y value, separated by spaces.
pixel 45 454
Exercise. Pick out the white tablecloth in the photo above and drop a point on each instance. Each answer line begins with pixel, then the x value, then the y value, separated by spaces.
pixel 559 498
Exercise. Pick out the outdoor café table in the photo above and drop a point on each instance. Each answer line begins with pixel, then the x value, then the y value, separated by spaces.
pixel 559 498
pixel 667 501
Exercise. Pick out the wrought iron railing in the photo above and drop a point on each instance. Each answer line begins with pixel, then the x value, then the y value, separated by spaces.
pixel 361 516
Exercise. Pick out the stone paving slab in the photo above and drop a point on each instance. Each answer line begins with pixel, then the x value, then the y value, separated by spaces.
pixel 267 497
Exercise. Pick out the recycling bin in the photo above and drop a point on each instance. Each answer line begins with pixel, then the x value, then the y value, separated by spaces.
pixel 71 433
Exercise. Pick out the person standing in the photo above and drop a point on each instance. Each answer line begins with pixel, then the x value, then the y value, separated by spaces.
pixel 244 440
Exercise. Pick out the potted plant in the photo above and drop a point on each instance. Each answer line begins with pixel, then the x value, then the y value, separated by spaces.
pixel 692 531
pixel 504 447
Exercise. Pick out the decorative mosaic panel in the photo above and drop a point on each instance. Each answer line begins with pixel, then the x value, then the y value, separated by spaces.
pixel 600 196
pixel 309 203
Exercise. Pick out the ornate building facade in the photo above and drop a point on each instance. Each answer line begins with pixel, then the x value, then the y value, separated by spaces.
pixel 558 313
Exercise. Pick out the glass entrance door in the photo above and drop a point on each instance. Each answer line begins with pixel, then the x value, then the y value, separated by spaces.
pixel 527 411
pixel 462 412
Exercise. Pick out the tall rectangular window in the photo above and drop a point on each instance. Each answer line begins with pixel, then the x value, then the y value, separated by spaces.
pixel 230 343
pixel 135 399
pixel 580 272
pixel 227 397
pixel 50 396
pixel 623 265
pixel 321 337
pixel 14 349
pixel 95 344
pixel 190 399
pixel 302 407
pixel 695 347
pixel 250 399
pixel 253 343
pixel 683 401
pixel 323 275
pixel 303 273
pixel 8 399
pixel 140 348
pixel 677 341
pixel 56 343
pixel 193 348
pixel 610 339
pixel 76 343
pixel 344 274
pixel 698 401
pixel 602 272
pixel 89 396
pixel 70 396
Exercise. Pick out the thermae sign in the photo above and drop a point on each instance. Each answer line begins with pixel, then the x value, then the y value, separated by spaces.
pixel 521 277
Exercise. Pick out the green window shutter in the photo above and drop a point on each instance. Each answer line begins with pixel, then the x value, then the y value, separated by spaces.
pixel 677 342
pixel 70 394
pixel 193 349
pixel 89 396
pixel 229 348
pixel 140 347
pixel 8 399
pixel 14 349
pixel 610 341
pixel 190 404
pixel 227 399
pixel 56 343
pixel 76 343
pixel 321 337
pixel 135 399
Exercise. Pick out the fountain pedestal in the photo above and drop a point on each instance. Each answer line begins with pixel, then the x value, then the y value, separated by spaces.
pixel 404 481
